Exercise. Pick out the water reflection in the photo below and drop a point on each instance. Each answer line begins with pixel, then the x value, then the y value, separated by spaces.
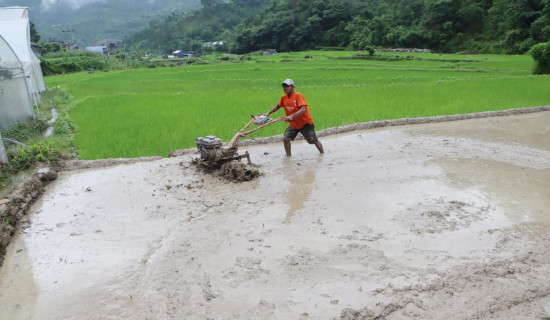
pixel 301 177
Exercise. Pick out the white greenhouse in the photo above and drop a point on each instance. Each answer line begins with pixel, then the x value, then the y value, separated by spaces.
pixel 21 79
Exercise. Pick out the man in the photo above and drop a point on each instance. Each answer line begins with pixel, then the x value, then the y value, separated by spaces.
pixel 298 116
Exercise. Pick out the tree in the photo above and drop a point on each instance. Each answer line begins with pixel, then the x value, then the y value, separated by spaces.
pixel 546 9
pixel 541 54
pixel 407 11
pixel 380 27
pixel 470 16
pixel 540 29
pixel 35 37
pixel 337 36
pixel 359 33
pixel 415 37
pixel 208 3
pixel 498 26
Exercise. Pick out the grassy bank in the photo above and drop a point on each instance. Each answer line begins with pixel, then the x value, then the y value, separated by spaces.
pixel 146 112
pixel 43 139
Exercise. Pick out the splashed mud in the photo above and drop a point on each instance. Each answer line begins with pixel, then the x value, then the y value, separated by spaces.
pixel 424 221
pixel 238 171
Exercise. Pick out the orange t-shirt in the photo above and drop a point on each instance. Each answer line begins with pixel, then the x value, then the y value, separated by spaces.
pixel 291 105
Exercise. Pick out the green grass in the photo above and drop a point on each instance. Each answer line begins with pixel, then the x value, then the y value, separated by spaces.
pixel 147 112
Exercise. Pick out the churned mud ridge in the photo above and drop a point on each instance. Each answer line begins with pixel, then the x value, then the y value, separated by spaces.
pixel 90 164
pixel 473 290
pixel 402 122
pixel 421 120
pixel 15 207
pixel 237 171
pixel 234 171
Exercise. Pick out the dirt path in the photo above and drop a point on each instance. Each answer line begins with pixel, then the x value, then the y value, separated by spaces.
pixel 445 220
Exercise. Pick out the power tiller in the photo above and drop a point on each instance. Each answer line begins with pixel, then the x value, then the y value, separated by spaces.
pixel 214 154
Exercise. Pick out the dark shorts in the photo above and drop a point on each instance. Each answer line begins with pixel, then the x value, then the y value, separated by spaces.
pixel 308 131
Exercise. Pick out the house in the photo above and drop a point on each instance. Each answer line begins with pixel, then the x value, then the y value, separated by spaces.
pixel 213 44
pixel 182 54
pixel 64 44
pixel 270 52
pixel 99 49
pixel 111 44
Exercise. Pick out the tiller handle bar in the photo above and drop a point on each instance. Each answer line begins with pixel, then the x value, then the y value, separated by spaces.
pixel 243 133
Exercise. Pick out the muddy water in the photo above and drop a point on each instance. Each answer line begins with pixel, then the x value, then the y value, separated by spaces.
pixel 430 221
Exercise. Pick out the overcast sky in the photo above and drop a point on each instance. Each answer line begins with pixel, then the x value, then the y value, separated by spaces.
pixel 47 4
pixel 73 4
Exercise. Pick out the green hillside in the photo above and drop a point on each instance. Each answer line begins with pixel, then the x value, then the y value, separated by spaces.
pixel 483 26
pixel 98 20
pixel 213 22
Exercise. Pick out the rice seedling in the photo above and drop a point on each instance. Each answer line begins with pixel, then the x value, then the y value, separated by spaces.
pixel 147 112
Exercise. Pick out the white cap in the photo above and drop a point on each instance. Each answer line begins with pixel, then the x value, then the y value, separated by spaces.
pixel 288 82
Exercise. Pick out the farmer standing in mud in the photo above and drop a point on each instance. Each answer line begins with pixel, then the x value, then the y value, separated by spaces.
pixel 298 116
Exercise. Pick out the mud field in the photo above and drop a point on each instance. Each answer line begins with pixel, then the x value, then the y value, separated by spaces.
pixel 446 220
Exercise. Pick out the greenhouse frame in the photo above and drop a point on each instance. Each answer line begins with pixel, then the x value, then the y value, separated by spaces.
pixel 21 78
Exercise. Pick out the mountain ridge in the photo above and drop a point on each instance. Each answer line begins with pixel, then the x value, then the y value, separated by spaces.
pixel 91 22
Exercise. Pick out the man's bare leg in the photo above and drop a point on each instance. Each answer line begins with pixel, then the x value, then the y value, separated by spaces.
pixel 287 147
pixel 319 146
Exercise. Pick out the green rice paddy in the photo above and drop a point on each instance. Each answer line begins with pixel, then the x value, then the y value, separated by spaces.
pixel 145 112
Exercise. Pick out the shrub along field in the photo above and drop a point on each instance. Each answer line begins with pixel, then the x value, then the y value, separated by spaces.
pixel 144 112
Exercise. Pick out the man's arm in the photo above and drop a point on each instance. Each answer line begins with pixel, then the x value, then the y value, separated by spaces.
pixel 298 113
pixel 275 108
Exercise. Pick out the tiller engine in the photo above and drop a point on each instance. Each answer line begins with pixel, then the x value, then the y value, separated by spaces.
pixel 213 154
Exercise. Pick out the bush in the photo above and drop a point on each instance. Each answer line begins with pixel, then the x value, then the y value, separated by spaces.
pixel 541 54
pixel 370 50
pixel 368 53
pixel 23 131
pixel 72 53
pixel 326 48
pixel 32 147
pixel 22 158
pixel 72 61
pixel 71 64
pixel 5 175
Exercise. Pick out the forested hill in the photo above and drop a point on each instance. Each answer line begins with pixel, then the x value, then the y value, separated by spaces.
pixel 491 26
pixel 212 22
pixel 84 22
